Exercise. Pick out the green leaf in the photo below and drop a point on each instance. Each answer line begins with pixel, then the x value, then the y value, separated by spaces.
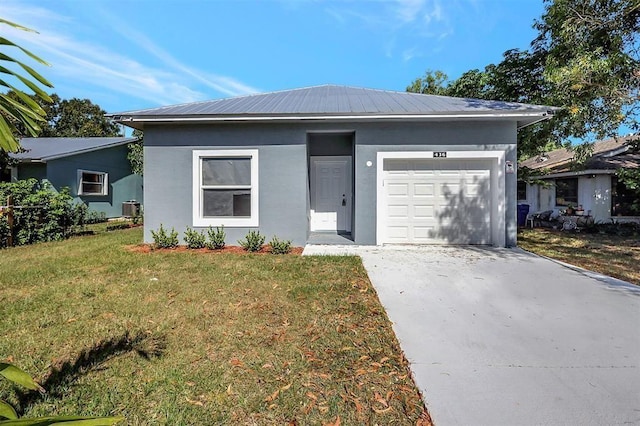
pixel 31 55
pixel 63 420
pixel 17 376
pixel 7 411
pixel 27 82
pixel 24 110
pixel 18 26
pixel 8 142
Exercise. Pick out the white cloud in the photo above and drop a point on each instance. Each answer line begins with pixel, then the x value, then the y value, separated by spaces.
pixel 409 10
pixel 73 59
pixel 411 53
pixel 227 85
pixel 399 22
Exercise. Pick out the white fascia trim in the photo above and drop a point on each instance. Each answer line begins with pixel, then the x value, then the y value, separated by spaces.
pixel 355 117
pixel 428 155
pixel 230 222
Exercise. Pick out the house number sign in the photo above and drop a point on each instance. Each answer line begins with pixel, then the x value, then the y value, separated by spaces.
pixel 440 154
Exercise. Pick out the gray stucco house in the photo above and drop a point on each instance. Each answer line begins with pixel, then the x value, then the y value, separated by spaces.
pixel 375 166
pixel 96 170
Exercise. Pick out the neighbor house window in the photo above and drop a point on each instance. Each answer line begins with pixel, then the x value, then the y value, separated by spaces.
pixel 92 183
pixel 624 202
pixel 567 192
pixel 522 190
pixel 225 184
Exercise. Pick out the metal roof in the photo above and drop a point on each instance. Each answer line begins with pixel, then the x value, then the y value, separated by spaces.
pixel 333 102
pixel 43 149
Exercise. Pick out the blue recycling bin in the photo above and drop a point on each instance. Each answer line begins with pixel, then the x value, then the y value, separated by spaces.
pixel 523 211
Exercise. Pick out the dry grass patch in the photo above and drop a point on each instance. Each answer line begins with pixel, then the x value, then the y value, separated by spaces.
pixel 611 255
pixel 198 338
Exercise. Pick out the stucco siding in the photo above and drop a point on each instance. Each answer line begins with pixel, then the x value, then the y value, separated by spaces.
pixel 32 170
pixel 282 191
pixel 122 184
pixel 283 175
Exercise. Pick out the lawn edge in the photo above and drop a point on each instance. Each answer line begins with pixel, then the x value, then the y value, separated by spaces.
pixel 591 274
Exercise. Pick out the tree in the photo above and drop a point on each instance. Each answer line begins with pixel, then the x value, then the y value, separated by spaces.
pixel 584 60
pixel 79 118
pixel 592 60
pixel 518 78
pixel 23 112
pixel 74 118
pixel 135 155
pixel 432 83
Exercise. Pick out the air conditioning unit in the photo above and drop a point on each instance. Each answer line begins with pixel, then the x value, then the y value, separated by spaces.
pixel 130 208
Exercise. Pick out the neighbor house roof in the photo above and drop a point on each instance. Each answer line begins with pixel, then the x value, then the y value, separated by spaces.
pixel 609 154
pixel 44 149
pixel 331 102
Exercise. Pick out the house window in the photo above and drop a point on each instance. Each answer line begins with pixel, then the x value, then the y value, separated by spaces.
pixel 522 190
pixel 225 185
pixel 622 199
pixel 566 192
pixel 92 183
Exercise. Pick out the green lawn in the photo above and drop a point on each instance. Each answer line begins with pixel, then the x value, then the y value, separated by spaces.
pixel 613 255
pixel 187 338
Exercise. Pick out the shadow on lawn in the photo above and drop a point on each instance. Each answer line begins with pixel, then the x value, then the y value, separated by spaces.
pixel 65 371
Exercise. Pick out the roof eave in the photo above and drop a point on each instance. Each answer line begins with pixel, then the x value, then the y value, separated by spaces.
pixel 46 158
pixel 522 118
pixel 576 173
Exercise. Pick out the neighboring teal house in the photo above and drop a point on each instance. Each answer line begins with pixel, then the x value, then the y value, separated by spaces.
pixel 96 170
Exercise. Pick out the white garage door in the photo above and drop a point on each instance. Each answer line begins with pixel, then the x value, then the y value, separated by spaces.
pixel 444 201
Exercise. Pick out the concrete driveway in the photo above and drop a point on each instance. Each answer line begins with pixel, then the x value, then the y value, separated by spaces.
pixel 503 337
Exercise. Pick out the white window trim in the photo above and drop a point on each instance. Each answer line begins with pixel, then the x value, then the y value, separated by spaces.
pixel 198 219
pixel 105 183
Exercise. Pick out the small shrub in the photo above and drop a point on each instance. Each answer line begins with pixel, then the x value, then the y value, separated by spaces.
pixel 44 214
pixel 136 219
pixel 280 246
pixel 253 241
pixel 216 238
pixel 163 240
pixel 118 225
pixel 95 217
pixel 194 239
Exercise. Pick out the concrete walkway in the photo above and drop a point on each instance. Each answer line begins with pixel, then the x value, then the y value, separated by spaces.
pixel 503 337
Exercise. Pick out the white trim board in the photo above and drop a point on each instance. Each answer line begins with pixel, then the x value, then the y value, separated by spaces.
pixel 198 220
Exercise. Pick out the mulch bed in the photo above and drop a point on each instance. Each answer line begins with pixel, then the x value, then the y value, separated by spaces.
pixel 149 248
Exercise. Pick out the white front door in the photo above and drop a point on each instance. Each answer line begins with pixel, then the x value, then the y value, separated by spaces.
pixel 331 193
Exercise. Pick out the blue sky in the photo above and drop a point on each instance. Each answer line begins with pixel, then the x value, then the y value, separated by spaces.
pixel 126 55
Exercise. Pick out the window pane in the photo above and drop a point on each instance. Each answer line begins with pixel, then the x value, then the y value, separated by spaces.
pixel 91 188
pixel 226 171
pixel 226 202
pixel 92 177
pixel 566 191
pixel 522 190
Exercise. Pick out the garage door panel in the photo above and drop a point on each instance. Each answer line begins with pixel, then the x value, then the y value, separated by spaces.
pixel 398 233
pixel 398 212
pixel 423 212
pixel 423 189
pixel 395 188
pixel 437 202
pixel 474 189
pixel 423 233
